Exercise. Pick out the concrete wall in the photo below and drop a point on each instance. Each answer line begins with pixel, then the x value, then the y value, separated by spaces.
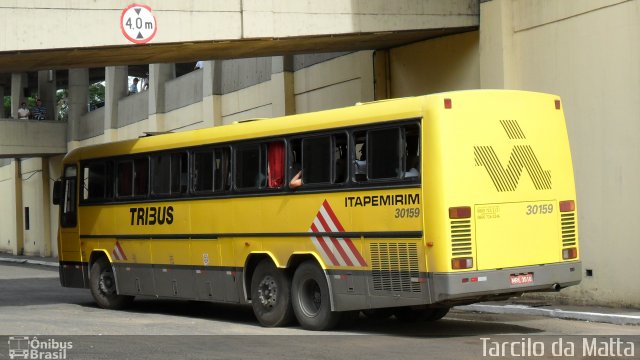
pixel 587 52
pixel 91 124
pixel 444 64
pixel 183 91
pixel 342 81
pixel 244 89
pixel 32 137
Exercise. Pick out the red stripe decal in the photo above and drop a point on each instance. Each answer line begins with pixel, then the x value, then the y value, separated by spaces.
pixel 325 247
pixel 335 241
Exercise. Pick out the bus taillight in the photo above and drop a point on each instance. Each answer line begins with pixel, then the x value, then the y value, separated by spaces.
pixel 557 104
pixel 461 263
pixel 569 253
pixel 567 206
pixel 460 212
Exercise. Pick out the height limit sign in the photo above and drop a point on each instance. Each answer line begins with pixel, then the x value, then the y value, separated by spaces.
pixel 138 23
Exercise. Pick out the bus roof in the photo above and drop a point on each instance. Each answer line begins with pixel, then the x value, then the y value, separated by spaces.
pixel 361 113
pixel 398 109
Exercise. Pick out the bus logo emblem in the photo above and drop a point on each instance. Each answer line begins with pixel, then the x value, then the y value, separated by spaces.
pixel 522 157
pixel 335 251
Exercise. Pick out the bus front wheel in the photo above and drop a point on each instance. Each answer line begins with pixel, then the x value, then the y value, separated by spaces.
pixel 103 287
pixel 271 295
pixel 310 295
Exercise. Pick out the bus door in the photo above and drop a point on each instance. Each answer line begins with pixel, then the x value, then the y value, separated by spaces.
pixel 66 196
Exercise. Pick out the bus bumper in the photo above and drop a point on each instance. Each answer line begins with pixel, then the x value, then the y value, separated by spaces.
pixel 473 286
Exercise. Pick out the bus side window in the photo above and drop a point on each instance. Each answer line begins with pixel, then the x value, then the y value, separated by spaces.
pixel 141 177
pixel 340 158
pixel 222 173
pixel 203 165
pixel 179 173
pixel 275 158
pixel 316 160
pixel 125 179
pixel 97 181
pixel 249 167
pixel 160 168
pixel 412 152
pixel 384 155
pixel 360 156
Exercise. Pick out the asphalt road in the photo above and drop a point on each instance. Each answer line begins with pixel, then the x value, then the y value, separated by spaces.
pixel 33 304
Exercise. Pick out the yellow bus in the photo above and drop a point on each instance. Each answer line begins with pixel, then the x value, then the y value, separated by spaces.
pixel 408 205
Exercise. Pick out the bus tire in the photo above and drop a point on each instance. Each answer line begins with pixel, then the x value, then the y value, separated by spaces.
pixel 310 297
pixel 271 295
pixel 103 287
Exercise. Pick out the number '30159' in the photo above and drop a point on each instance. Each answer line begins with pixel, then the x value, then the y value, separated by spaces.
pixel 539 209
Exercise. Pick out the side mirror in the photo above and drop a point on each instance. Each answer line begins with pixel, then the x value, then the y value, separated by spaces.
pixel 57 192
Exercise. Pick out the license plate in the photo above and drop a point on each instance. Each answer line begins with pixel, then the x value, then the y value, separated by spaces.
pixel 521 279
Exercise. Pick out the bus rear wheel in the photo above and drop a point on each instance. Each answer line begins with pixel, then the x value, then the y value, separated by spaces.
pixel 310 297
pixel 271 295
pixel 103 287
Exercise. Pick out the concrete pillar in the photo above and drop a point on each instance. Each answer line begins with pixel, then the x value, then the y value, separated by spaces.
pixel 116 81
pixel 212 93
pixel 45 244
pixel 283 101
pixel 47 91
pixel 18 83
pixel 16 202
pixel 496 45
pixel 159 74
pixel 78 100
pixel 381 74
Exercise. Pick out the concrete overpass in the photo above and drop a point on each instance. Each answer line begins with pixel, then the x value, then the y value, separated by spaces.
pixel 74 34
pixel 35 56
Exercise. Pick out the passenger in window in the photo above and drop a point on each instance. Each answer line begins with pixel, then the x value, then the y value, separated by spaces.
pixel 296 181
pixel 413 165
pixel 360 163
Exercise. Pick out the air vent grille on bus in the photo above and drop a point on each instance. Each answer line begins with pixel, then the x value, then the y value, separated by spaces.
pixel 461 238
pixel 568 223
pixel 394 266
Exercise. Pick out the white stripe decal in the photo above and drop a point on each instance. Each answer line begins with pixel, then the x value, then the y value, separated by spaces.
pixel 342 249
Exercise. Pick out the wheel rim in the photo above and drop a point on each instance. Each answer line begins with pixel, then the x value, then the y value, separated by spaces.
pixel 310 298
pixel 107 283
pixel 268 292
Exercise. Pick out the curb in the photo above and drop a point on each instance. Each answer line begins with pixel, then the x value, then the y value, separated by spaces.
pixel 618 319
pixel 29 261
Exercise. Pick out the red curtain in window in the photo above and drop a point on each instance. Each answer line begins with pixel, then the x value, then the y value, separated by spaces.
pixel 275 153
